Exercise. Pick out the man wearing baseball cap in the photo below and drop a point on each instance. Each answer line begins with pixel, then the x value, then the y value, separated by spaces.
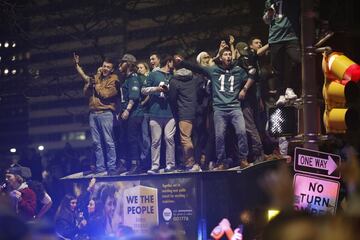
pixel 131 110
pixel 22 197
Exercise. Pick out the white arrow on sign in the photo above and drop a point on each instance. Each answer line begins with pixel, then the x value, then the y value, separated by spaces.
pixel 318 163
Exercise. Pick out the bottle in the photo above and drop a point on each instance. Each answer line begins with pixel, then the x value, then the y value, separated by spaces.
pixel 217 232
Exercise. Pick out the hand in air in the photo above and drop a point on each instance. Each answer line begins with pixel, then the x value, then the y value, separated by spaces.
pixel 231 39
pixel 76 59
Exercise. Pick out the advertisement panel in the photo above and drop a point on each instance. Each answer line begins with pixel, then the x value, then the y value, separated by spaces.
pixel 139 205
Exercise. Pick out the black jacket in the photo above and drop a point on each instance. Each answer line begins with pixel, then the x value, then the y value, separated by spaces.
pixel 183 95
pixel 65 223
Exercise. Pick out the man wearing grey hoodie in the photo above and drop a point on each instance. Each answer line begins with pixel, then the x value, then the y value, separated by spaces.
pixel 182 96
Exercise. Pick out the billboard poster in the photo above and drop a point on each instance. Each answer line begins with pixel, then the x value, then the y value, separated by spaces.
pixel 141 204
pixel 177 203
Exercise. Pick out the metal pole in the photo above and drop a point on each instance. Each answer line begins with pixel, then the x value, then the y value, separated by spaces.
pixel 309 84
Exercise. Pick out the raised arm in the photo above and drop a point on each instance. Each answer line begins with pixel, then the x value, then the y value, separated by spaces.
pixel 192 67
pixel 79 69
pixel 261 51
pixel 231 43
pixel 221 46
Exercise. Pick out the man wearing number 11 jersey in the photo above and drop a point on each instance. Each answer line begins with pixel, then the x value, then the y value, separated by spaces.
pixel 227 92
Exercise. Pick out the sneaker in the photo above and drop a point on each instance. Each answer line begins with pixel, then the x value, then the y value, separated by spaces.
pixel 153 171
pixel 289 94
pixel 169 169
pixel 281 101
pixel 195 168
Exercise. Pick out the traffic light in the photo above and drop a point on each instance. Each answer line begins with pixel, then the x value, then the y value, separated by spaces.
pixel 340 92
pixel 343 67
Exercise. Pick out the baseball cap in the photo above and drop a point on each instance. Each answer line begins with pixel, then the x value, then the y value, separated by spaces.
pixel 128 58
pixel 24 172
pixel 242 48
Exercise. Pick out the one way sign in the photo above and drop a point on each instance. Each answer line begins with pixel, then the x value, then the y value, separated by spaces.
pixel 317 163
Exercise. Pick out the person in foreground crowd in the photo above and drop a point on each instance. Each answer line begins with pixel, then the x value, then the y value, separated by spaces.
pixel 68 220
pixel 95 227
pixel 226 80
pixel 131 110
pixel 161 117
pixel 22 197
pixel 102 93
pixel 43 200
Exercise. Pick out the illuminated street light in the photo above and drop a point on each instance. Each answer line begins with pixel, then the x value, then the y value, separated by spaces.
pixel 6 44
pixel 13 150
pixel 41 148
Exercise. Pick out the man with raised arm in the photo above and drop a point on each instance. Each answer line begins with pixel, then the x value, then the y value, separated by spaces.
pixel 227 91
pixel 102 93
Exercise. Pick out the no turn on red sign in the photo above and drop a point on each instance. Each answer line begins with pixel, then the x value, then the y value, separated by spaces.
pixel 315 195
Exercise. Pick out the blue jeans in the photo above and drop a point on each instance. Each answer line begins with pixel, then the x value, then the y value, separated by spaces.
pixel 221 120
pixel 102 133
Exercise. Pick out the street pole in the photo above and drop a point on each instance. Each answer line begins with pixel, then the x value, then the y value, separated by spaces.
pixel 309 84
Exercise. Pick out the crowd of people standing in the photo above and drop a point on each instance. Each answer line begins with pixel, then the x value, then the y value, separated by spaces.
pixel 139 110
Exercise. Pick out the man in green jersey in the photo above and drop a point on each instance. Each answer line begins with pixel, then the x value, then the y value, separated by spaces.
pixel 227 92
pixel 161 117
pixel 131 109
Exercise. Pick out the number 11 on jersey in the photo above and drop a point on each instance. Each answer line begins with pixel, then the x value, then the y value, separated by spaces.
pixel 222 83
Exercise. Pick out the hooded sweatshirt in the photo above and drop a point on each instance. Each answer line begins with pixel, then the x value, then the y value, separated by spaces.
pixel 182 94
